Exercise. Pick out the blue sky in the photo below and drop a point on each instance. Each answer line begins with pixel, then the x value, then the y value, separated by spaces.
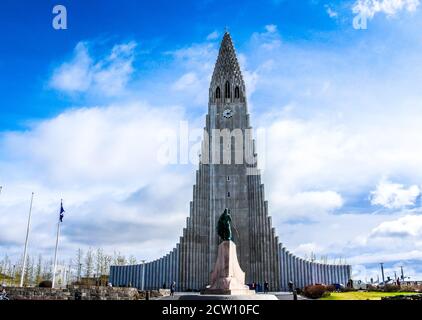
pixel 83 112
pixel 31 47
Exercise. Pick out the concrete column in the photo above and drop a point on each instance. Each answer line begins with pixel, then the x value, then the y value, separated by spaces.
pixel 290 267
pixel 165 270
pixel 327 274
pixel 124 278
pixel 330 275
pixel 146 283
pixel 152 275
pixel 302 273
pixel 156 275
pixel 178 267
pixel 335 274
pixel 159 282
pixel 283 275
pixel 172 278
pixel 319 272
pixel 299 272
pixel 162 271
pixel 138 272
pixel 308 273
pixel 168 273
pixel 130 276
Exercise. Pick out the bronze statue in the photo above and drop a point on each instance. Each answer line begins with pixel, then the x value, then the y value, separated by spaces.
pixel 224 229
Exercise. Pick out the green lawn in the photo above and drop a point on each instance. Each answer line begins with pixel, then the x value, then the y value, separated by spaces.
pixel 361 295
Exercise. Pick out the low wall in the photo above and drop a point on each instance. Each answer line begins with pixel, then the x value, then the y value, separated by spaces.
pixel 84 292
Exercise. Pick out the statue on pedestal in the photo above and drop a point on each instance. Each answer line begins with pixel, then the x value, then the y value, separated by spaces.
pixel 227 278
pixel 224 228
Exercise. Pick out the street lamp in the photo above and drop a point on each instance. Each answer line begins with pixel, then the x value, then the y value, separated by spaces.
pixel 79 272
pixel 143 274
pixel 382 273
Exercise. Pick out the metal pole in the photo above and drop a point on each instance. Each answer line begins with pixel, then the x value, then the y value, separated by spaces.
pixel 382 273
pixel 26 241
pixel 143 274
pixel 55 255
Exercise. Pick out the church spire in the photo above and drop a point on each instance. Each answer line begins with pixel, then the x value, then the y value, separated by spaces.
pixel 227 80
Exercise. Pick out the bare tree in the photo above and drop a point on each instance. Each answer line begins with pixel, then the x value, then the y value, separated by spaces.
pixel 38 270
pixel 99 262
pixel 78 262
pixel 132 260
pixel 106 264
pixel 89 263
pixel 119 259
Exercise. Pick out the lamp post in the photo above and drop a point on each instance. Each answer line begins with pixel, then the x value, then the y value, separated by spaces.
pixel 79 272
pixel 382 273
pixel 143 275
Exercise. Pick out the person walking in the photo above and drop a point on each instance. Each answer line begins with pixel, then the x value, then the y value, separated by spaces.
pixel 172 289
pixel 266 287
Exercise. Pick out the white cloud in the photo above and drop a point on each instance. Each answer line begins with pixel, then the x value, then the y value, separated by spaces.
pixel 213 35
pixel 311 204
pixel 394 195
pixel 103 163
pixel 268 40
pixel 186 82
pixel 108 75
pixel 331 12
pixel 76 75
pixel 305 250
pixel 409 225
pixel 271 28
pixel 369 8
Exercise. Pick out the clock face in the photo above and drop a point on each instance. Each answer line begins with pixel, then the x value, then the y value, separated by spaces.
pixel 227 114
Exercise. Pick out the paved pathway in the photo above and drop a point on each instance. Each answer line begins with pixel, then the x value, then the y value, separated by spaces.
pixel 259 296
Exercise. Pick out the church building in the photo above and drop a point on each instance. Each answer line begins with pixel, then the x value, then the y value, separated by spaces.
pixel 228 177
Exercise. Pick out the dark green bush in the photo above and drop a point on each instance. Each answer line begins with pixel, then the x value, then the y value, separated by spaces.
pixel 45 284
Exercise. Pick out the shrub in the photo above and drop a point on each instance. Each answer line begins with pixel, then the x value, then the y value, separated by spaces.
pixel 373 288
pixel 391 288
pixel 410 288
pixel 315 291
pixel 331 288
pixel 45 284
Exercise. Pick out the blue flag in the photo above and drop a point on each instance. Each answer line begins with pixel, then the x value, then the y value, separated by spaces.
pixel 61 212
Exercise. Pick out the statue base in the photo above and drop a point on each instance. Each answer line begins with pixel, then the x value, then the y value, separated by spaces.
pixel 227 277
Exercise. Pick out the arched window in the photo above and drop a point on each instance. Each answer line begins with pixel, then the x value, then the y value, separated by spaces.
pixel 227 93
pixel 218 93
pixel 237 93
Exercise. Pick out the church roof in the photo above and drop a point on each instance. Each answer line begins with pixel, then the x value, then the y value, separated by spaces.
pixel 227 65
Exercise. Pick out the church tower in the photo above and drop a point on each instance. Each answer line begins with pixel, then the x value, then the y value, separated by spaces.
pixel 228 177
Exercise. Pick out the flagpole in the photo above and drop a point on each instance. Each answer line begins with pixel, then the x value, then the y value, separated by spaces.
pixel 55 253
pixel 26 241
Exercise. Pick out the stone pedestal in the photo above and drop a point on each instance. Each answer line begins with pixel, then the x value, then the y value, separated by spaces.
pixel 227 277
